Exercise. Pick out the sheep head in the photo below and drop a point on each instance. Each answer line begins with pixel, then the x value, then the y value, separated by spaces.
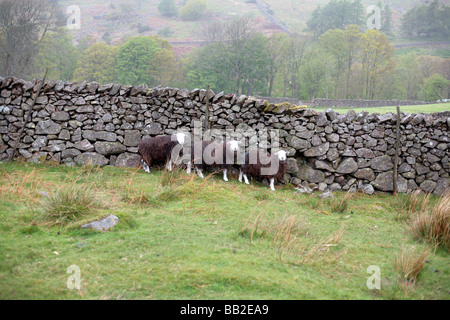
pixel 282 156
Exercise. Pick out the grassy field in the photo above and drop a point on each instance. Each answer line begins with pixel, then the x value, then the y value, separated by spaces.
pixel 180 237
pixel 425 108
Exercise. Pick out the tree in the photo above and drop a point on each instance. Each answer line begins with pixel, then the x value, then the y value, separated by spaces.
pixel 334 43
pixel 193 10
pixel 164 69
pixel 426 20
pixel 23 26
pixel 238 63
pixel 352 49
pixel 97 64
pixel 314 71
pixel 375 58
pixel 434 87
pixel 292 56
pixel 134 58
pixel 386 21
pixel 274 49
pixel 57 52
pixel 408 72
pixel 428 65
pixel 337 14
pixel 168 8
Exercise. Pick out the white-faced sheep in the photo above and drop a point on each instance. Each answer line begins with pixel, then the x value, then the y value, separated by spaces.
pixel 158 150
pixel 259 164
pixel 205 154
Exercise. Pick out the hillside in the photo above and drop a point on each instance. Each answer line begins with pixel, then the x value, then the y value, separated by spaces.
pixel 113 20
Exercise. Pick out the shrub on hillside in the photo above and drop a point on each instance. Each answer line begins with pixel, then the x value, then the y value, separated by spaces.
pixel 168 8
pixel 193 10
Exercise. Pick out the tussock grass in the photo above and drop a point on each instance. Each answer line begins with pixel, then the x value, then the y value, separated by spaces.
pixel 292 239
pixel 406 205
pixel 409 263
pixel 433 225
pixel 340 206
pixel 71 203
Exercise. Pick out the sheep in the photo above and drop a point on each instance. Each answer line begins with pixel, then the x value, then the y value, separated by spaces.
pixel 255 166
pixel 213 154
pixel 158 150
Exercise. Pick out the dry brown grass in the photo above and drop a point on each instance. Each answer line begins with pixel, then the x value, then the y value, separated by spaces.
pixel 290 236
pixel 409 263
pixel 406 205
pixel 24 187
pixel 433 225
pixel 340 206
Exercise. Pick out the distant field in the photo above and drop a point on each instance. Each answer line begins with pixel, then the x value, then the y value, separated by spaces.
pixel 425 108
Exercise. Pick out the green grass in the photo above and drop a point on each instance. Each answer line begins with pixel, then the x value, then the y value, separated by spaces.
pixel 201 239
pixel 425 108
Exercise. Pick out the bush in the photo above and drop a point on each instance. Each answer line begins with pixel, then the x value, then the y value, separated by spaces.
pixel 168 8
pixel 193 10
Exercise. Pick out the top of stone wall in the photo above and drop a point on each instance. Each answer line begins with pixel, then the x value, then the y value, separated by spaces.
pixel 12 85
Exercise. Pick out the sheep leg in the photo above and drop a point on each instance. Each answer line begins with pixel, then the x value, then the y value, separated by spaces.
pixel 189 168
pixel 199 172
pixel 240 176
pixel 245 179
pixel 272 184
pixel 145 166
pixel 225 178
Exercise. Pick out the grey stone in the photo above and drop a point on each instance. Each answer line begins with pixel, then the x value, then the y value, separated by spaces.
pixel 442 186
pixel 105 224
pixel 48 127
pixel 326 195
pixel 365 153
pixel 153 129
pixel 384 182
pixel 132 138
pixel 127 159
pixel 368 189
pixel 382 163
pixel 70 153
pixel 299 144
pixel 91 158
pixel 108 148
pixel 84 145
pixel 421 169
pixel 323 165
pixel 322 119
pixel 428 186
pixel 331 114
pixel 317 151
pixel 366 174
pixel 310 175
pixel 105 136
pixel 347 165
pixel 60 116
pixel 291 166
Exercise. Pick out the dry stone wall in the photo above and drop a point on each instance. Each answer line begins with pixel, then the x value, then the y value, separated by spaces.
pixel 103 124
